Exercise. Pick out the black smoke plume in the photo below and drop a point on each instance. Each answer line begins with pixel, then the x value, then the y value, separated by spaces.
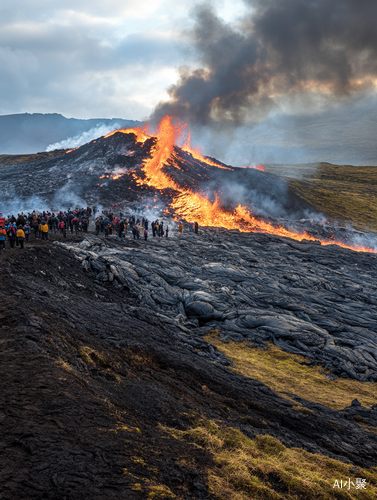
pixel 281 48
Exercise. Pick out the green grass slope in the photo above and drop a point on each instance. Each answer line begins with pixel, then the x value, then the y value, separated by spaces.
pixel 344 193
pixel 29 158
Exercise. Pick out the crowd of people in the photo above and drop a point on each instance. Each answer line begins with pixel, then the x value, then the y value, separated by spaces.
pixel 137 227
pixel 18 230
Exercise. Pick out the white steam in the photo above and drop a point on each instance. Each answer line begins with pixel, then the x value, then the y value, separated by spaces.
pixel 17 206
pixel 67 197
pixel 78 140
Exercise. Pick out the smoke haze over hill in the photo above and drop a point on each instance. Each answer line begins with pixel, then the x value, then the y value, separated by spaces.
pixel 31 133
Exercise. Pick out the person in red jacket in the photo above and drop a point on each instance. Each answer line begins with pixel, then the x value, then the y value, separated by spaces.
pixel 61 227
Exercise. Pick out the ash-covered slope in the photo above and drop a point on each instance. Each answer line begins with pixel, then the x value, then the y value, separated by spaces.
pixel 103 172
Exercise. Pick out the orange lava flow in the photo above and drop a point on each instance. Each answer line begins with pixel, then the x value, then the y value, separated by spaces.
pixel 192 206
pixel 167 135
pixel 70 150
pixel 195 153
pixel 141 134
pixel 258 167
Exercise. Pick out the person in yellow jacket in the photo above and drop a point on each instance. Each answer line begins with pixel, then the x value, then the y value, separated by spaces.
pixel 44 229
pixel 20 237
pixel 180 227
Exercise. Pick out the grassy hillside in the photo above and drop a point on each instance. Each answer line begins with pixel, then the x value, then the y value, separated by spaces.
pixel 341 192
pixel 263 468
pixel 28 158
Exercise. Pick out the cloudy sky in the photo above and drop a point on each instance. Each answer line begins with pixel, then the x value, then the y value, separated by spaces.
pixel 217 64
pixel 90 58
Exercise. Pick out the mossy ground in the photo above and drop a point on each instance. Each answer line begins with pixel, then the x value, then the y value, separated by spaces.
pixel 263 468
pixel 279 371
pixel 343 193
pixel 28 158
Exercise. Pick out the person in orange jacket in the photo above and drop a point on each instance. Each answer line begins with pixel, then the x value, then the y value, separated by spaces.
pixel 20 237
pixel 44 230
pixel 3 235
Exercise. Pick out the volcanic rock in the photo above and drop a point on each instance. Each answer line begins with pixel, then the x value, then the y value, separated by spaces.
pixel 86 175
pixel 252 287
pixel 92 375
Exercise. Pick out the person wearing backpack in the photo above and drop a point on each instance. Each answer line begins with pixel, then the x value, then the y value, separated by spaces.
pixel 11 233
pixel 36 228
pixel 27 232
pixel 61 228
pixel 3 235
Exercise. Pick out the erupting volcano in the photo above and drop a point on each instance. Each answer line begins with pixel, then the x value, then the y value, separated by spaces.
pixel 190 205
pixel 160 172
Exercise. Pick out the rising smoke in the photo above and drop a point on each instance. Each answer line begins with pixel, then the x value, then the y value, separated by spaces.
pixel 85 137
pixel 283 52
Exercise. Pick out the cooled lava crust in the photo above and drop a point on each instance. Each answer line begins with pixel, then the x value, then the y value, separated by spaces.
pixel 73 429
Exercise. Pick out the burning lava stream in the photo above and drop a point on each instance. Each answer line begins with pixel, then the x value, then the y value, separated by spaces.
pixel 192 206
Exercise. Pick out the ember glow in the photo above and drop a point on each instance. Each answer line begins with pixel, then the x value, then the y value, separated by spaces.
pixel 194 206
pixel 258 167
pixel 141 134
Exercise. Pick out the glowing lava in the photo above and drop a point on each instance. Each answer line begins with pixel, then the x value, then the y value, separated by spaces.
pixel 141 134
pixel 258 167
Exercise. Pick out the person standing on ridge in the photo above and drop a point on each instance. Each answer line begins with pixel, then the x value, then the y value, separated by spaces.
pixel 20 237
pixel 98 226
pixel 120 228
pixel 36 228
pixel 27 232
pixel 3 235
pixel 180 228
pixel 11 233
pixel 44 230
pixel 196 227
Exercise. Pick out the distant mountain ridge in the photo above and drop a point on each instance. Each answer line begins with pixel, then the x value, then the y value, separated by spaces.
pixel 344 136
pixel 34 132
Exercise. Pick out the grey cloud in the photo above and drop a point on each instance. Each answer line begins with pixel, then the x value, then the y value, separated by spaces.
pixel 63 63
pixel 281 47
